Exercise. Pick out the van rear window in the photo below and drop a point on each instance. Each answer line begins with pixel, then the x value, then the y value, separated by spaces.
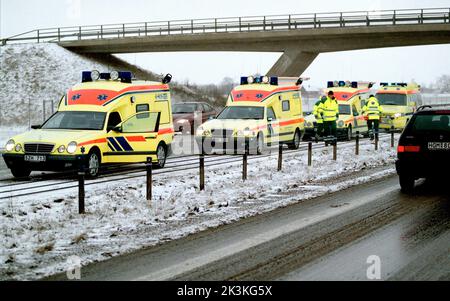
pixel 431 123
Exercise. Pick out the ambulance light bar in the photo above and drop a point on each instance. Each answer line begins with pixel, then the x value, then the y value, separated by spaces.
pixel 247 80
pixel 92 76
pixel 394 84
pixel 335 84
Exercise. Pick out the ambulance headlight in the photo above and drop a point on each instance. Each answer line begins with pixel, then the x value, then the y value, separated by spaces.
pixel 265 79
pixel 9 145
pixel 114 75
pixel 61 149
pixel 72 147
pixel 18 147
pixel 397 115
pixel 250 79
pixel 309 124
pixel 95 75
pixel 340 123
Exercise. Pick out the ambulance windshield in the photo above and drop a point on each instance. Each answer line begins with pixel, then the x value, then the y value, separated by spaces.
pixel 391 99
pixel 241 112
pixel 76 120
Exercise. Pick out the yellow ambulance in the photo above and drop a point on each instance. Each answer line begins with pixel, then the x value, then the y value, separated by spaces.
pixel 399 102
pixel 351 97
pixel 109 118
pixel 260 111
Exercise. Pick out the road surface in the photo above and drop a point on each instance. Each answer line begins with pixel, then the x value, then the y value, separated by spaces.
pixel 319 239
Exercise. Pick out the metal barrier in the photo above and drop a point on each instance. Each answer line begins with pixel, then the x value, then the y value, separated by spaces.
pixel 236 24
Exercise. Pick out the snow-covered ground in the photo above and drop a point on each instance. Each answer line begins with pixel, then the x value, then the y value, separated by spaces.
pixel 38 234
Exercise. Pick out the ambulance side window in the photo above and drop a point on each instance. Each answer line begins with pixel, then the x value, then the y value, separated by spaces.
pixel 113 121
pixel 271 113
pixel 285 105
pixel 355 111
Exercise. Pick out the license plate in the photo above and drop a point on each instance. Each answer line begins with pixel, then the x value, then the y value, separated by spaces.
pixel 221 140
pixel 439 145
pixel 35 158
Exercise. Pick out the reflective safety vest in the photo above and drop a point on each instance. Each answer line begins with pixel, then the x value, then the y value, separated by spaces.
pixel 329 110
pixel 372 109
pixel 316 112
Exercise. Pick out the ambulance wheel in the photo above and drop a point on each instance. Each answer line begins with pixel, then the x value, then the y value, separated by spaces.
pixel 259 144
pixel 21 171
pixel 296 141
pixel 161 155
pixel 406 183
pixel 349 133
pixel 93 164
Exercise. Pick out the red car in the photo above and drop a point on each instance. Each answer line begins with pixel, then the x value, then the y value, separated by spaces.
pixel 185 113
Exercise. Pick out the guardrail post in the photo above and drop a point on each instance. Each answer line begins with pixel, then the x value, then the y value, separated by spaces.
pixel 192 26
pixel 146 28
pixel 215 25
pixel 280 156
pixel 101 31
pixel 264 23
pixel 149 168
pixel 289 21
pixel 79 33
pixel 59 34
pixel 421 16
pixel 394 17
pixel 81 174
pixel 335 151
pixel 357 143
pixel 240 24
pixel 38 36
pixel 315 20
pixel 123 30
pixel 309 153
pixel 392 137
pixel 244 160
pixel 168 27
pixel 202 172
pixel 367 19
pixel 341 20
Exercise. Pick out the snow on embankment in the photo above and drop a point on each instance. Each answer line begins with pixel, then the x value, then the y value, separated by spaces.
pixel 39 233
pixel 31 73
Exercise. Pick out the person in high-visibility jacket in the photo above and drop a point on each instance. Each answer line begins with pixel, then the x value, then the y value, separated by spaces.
pixel 330 113
pixel 318 116
pixel 372 110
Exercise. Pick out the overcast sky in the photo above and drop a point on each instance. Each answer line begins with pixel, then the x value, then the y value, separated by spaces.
pixel 423 63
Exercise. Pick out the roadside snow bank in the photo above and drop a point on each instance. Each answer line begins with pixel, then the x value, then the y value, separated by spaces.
pixel 37 236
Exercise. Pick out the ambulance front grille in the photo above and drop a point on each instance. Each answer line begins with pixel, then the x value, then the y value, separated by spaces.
pixel 38 148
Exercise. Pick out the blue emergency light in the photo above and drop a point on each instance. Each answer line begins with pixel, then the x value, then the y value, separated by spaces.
pixel 355 85
pixel 330 84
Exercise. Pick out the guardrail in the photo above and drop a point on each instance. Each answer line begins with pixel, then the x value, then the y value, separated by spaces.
pixel 236 24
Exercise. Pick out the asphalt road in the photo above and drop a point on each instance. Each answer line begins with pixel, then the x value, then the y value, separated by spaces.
pixel 319 239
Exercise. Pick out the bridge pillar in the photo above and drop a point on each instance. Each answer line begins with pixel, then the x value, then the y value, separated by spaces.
pixel 292 63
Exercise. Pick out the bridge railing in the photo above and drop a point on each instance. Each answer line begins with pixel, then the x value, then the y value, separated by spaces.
pixel 236 24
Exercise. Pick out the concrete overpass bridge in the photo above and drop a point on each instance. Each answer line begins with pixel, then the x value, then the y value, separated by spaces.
pixel 299 37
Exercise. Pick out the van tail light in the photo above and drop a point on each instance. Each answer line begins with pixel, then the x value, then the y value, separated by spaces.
pixel 408 149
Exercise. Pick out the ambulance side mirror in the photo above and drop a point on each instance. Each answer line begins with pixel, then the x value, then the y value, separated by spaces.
pixel 117 129
pixel 269 119
pixel 36 126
